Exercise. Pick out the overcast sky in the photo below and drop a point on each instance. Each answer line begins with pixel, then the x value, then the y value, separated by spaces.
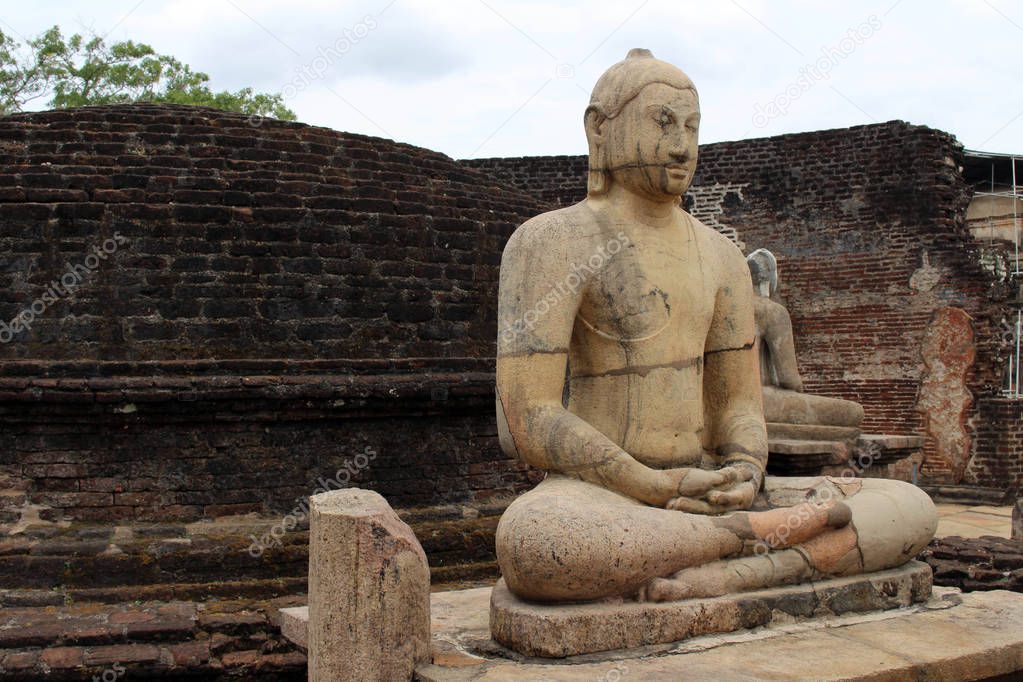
pixel 476 78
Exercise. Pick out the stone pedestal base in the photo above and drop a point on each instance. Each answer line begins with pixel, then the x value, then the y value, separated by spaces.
pixel 556 631
pixel 952 636
pixel 800 450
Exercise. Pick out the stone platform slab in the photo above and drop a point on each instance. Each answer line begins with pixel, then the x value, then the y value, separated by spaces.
pixel 950 638
pixel 560 630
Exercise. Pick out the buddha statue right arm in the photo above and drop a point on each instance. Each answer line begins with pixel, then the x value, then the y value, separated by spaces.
pixel 539 298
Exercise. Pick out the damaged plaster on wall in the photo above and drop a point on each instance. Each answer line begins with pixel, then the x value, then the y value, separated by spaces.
pixel 944 401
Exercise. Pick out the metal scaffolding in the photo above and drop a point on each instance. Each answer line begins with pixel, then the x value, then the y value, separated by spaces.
pixel 1014 192
pixel 1005 175
pixel 1012 388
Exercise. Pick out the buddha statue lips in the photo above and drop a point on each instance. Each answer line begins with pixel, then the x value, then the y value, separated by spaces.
pixel 638 391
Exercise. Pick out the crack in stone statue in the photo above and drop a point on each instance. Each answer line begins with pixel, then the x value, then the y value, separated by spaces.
pixel 655 485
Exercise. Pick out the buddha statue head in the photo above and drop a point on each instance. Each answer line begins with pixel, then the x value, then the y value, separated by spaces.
pixel 763 268
pixel 642 125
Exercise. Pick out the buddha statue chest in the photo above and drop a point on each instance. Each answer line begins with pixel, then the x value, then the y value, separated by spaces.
pixel 653 296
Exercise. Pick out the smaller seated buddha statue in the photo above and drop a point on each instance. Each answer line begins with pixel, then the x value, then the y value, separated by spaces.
pixel 785 402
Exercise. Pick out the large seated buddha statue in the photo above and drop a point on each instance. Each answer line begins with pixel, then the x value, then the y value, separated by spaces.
pixel 627 371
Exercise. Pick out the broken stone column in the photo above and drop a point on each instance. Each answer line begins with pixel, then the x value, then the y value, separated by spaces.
pixel 369 590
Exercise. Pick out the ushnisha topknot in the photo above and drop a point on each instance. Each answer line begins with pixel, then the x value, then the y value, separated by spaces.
pixel 623 81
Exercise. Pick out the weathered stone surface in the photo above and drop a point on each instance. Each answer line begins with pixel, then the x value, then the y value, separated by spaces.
pixel 793 407
pixel 951 637
pixel 230 557
pixel 875 450
pixel 262 250
pixel 811 432
pixel 786 446
pixel 451 613
pixel 556 631
pixel 840 354
pixel 1017 520
pixel 26 627
pixel 849 241
pixel 294 624
pixel 795 457
pixel 634 383
pixel 369 590
pixel 998 448
pixel 890 441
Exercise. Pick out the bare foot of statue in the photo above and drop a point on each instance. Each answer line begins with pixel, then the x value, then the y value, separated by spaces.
pixel 803 523
pixel 824 535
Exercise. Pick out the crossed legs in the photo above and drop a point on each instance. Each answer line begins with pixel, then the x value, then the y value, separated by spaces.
pixel 568 540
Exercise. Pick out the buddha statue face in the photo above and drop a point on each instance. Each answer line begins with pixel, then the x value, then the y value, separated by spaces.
pixel 642 126
pixel 652 144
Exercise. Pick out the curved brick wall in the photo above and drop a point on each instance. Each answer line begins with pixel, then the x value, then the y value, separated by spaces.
pixel 246 310
pixel 282 240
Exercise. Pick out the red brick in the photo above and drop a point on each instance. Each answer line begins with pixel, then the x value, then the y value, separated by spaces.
pixel 237 659
pixel 20 660
pixel 62 657
pixel 123 654
pixel 190 654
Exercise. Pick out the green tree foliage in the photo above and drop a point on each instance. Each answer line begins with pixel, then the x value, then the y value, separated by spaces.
pixel 80 71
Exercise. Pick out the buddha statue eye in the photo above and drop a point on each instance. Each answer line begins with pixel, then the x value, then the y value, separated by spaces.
pixel 665 119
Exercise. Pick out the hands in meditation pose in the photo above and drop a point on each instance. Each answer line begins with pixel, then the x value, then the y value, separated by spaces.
pixel 655 450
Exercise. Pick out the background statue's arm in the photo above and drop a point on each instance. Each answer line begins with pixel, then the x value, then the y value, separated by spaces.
pixel 537 306
pixel 776 331
pixel 732 391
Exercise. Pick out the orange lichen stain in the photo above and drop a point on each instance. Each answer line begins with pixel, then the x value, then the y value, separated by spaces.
pixel 828 550
pixel 786 526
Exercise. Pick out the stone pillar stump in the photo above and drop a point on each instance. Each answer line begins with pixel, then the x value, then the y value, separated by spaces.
pixel 369 590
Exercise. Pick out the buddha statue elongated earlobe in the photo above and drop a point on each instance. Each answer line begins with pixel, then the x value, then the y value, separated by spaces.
pixel 598 178
pixel 596 181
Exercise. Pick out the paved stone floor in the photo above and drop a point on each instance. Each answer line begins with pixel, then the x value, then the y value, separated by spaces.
pixel 974 521
pixel 954 636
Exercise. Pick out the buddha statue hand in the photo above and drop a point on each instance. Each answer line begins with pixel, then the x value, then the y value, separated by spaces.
pixel 731 488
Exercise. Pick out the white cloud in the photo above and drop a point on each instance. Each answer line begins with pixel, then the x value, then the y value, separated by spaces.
pixel 462 76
